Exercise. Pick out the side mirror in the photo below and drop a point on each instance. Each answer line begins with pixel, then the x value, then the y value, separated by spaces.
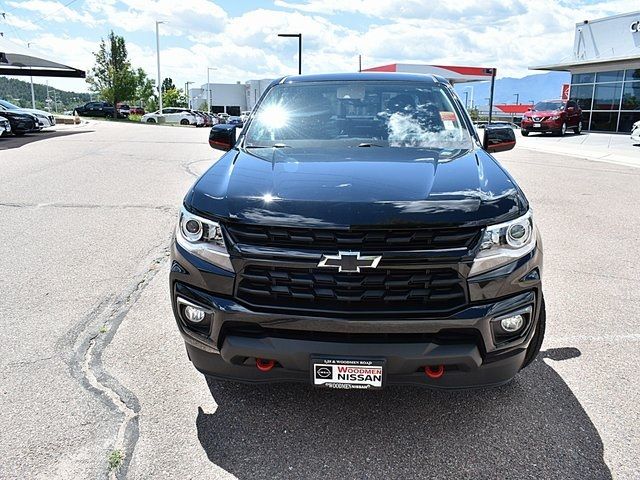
pixel 222 137
pixel 498 138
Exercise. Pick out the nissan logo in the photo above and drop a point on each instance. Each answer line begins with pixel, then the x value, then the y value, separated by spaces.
pixel 323 372
pixel 635 26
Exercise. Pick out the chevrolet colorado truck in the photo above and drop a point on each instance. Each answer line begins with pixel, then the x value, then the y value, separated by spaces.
pixel 358 233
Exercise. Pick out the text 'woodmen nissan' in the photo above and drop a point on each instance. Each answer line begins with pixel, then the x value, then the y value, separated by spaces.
pixel 357 234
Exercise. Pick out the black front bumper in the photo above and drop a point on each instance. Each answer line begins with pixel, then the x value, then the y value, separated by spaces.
pixel 464 341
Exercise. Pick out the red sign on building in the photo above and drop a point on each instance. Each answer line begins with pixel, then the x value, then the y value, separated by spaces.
pixel 565 91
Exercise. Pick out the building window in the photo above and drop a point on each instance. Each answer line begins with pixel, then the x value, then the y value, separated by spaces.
pixel 233 110
pixel 582 78
pixel 604 121
pixel 607 96
pixel 632 74
pixel 627 119
pixel 582 95
pixel 611 76
pixel 631 96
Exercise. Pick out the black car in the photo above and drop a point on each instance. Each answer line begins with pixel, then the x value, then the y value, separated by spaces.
pixel 21 121
pixel 95 109
pixel 356 234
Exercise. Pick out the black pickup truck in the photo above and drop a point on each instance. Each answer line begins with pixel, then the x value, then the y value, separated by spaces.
pixel 95 109
pixel 358 233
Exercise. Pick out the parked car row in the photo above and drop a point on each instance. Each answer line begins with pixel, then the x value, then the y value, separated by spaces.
pixel 186 116
pixel 23 120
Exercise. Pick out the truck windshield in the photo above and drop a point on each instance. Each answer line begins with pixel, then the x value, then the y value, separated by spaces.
pixel 357 114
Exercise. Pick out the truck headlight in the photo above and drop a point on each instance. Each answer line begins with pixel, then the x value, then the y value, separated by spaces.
pixel 505 242
pixel 203 238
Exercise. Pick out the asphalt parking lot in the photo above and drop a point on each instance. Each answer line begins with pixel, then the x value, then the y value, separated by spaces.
pixel 92 361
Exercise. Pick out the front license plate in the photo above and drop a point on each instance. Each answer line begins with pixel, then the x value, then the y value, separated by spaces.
pixel 347 373
pixel 536 125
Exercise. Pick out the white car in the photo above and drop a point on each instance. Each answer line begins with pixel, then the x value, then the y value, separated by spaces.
pixel 172 115
pixel 244 116
pixel 5 127
pixel 45 119
pixel 635 131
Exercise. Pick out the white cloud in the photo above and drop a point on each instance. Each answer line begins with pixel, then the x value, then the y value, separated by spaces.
pixel 508 34
pixel 52 11
pixel 182 17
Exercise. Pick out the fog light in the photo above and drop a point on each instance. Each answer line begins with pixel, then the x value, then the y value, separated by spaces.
pixel 193 314
pixel 512 324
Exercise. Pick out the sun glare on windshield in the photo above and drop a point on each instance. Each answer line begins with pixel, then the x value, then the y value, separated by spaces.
pixel 275 115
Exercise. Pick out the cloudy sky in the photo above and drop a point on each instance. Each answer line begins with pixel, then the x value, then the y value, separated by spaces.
pixel 238 37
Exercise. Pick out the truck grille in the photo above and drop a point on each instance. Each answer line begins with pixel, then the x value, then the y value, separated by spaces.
pixel 415 290
pixel 361 240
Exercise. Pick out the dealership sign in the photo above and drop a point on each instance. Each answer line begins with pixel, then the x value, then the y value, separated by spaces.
pixel 565 91
pixel 635 26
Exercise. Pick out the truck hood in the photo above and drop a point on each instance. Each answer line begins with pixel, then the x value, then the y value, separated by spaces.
pixel 357 187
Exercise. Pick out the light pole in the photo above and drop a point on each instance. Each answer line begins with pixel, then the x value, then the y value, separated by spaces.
pixel 466 98
pixel 33 96
pixel 293 35
pixel 158 54
pixel 517 95
pixel 471 103
pixel 209 89
pixel 186 91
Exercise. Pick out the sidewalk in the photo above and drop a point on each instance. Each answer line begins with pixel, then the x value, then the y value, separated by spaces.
pixel 601 147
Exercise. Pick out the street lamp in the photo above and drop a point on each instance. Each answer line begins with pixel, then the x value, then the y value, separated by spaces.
pixel 33 96
pixel 293 35
pixel 186 91
pixel 158 54
pixel 209 89
pixel 517 95
pixel 465 90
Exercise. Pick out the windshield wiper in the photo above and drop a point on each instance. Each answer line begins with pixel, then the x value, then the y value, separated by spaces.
pixel 370 145
pixel 275 145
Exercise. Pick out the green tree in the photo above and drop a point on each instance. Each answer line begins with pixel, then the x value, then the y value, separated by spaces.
pixel 167 84
pixel 145 88
pixel 112 76
pixel 173 97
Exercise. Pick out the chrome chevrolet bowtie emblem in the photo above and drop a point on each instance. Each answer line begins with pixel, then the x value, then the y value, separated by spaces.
pixel 349 261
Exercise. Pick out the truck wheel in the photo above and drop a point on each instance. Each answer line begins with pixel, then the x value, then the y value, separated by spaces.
pixel 538 337
pixel 525 133
pixel 578 128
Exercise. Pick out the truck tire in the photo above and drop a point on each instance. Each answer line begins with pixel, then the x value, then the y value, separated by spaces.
pixel 538 337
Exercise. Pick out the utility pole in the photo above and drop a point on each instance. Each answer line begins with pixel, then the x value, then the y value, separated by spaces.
pixel 209 89
pixel 293 35
pixel 517 95
pixel 493 84
pixel 33 96
pixel 158 54
pixel 359 63
pixel 186 91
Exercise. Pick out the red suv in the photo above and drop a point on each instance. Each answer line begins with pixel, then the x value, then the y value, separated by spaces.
pixel 555 116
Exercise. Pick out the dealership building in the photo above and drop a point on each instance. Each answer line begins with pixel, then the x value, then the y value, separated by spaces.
pixel 605 72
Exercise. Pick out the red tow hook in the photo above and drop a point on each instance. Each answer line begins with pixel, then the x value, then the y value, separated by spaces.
pixel 265 365
pixel 434 371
